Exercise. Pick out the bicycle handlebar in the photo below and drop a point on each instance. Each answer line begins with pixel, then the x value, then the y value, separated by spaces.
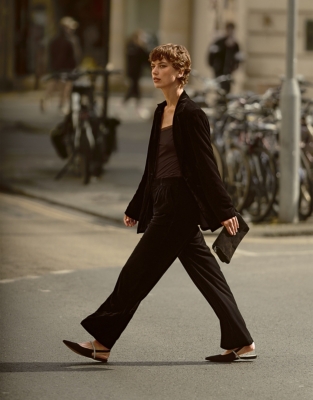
pixel 211 82
pixel 76 74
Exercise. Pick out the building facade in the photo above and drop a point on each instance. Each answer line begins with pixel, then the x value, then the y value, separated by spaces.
pixel 28 25
pixel 261 29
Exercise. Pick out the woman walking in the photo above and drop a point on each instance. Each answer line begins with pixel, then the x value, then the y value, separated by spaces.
pixel 180 190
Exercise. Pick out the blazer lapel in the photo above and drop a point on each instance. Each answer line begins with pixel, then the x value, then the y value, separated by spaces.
pixel 177 133
pixel 154 141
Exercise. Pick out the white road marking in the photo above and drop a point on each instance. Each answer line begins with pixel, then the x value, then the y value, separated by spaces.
pixel 63 271
pixel 8 280
pixel 27 277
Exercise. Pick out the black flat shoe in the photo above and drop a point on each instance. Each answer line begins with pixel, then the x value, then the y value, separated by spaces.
pixel 82 351
pixel 230 357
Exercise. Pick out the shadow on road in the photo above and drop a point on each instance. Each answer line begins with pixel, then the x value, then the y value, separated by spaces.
pixel 49 367
pixel 71 367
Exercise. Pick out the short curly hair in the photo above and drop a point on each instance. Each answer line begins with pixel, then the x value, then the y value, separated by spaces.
pixel 177 54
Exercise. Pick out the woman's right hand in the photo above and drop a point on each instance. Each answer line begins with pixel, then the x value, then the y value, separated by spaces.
pixel 232 225
pixel 129 221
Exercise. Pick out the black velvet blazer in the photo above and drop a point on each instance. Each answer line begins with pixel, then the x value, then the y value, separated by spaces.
pixel 191 134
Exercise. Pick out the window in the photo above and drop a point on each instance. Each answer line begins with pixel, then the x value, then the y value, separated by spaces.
pixel 309 35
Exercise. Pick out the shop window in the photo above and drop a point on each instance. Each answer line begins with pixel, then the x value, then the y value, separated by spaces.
pixel 309 35
pixel 21 30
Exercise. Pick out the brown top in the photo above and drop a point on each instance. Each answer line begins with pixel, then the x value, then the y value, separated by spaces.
pixel 167 161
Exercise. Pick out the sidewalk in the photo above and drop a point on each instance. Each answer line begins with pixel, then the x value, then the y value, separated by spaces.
pixel 29 162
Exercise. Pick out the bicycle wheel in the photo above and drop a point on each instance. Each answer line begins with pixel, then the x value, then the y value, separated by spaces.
pixel 84 157
pixel 306 189
pixel 84 168
pixel 218 159
pixel 263 185
pixel 237 176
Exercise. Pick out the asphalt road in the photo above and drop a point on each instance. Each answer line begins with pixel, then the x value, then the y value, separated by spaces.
pixel 57 266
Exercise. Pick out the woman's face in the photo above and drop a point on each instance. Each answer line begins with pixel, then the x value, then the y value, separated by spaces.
pixel 164 74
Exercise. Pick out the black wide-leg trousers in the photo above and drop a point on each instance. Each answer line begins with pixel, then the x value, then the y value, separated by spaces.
pixel 173 232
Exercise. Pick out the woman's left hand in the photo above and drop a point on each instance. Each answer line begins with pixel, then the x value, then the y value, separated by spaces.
pixel 231 225
pixel 129 221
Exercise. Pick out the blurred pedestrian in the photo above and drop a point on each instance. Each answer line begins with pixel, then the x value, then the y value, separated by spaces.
pixel 180 189
pixel 224 55
pixel 64 56
pixel 136 59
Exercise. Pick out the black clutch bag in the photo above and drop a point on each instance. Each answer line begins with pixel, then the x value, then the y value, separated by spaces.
pixel 226 244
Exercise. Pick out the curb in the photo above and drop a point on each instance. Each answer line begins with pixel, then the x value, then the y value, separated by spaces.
pixel 13 190
pixel 284 230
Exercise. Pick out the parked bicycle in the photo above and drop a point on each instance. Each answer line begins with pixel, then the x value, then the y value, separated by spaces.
pixel 245 139
pixel 85 137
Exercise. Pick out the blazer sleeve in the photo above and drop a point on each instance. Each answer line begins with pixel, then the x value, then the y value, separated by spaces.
pixel 134 207
pixel 206 167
